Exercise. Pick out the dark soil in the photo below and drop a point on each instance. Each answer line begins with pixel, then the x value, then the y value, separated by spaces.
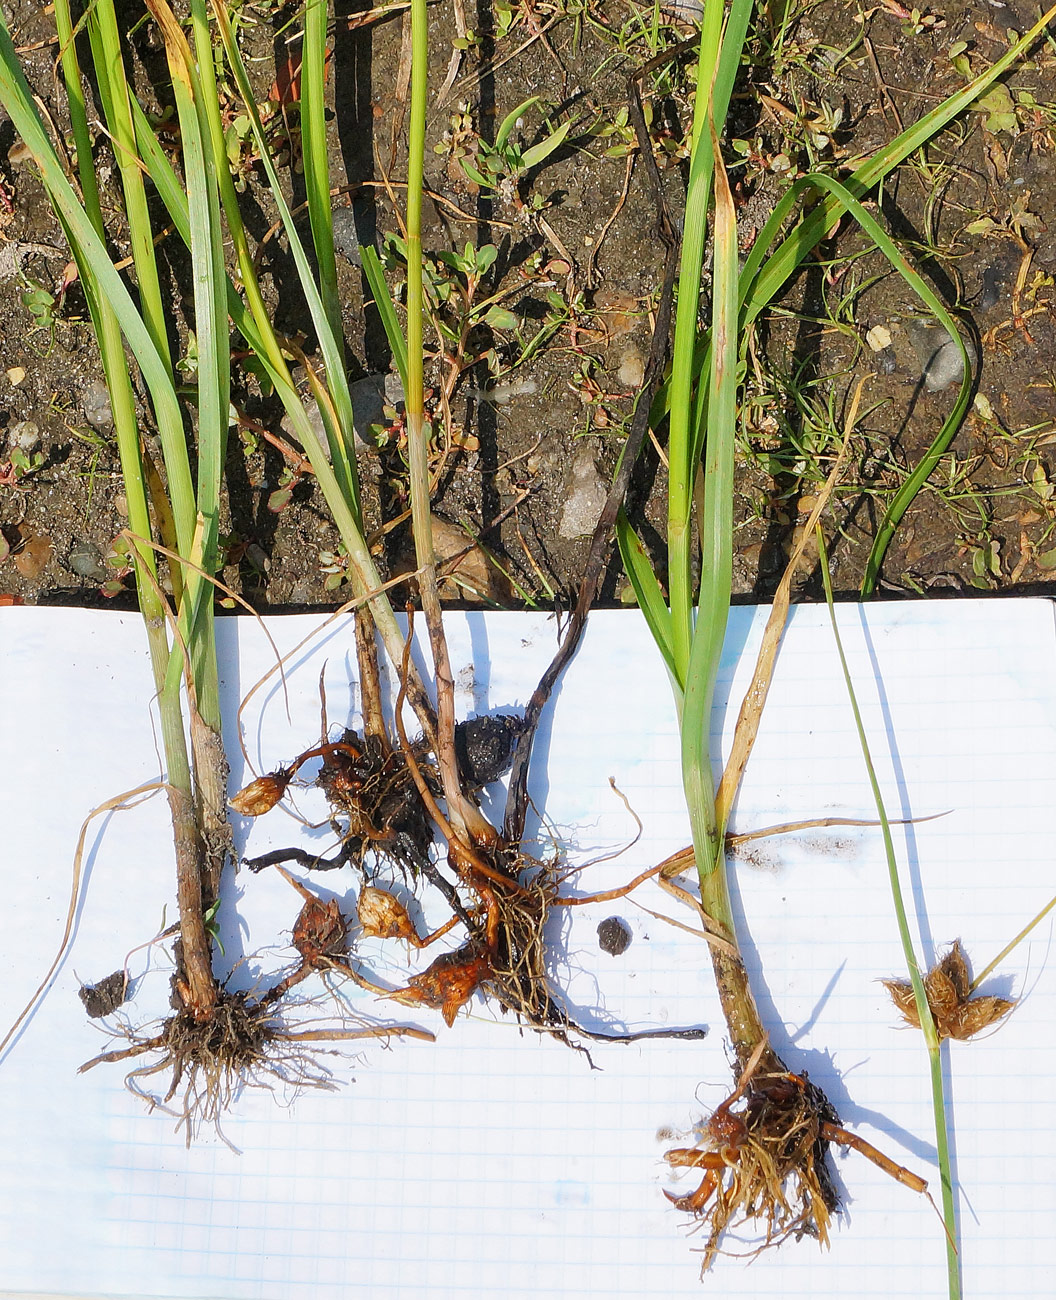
pixel 577 262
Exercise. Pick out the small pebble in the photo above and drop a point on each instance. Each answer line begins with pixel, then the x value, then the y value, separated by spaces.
pixel 688 10
pixel 24 434
pixel 369 398
pixel 258 557
pixel 86 560
pixel 346 236
pixel 938 355
pixel 314 419
pixel 95 402
pixel 474 577
pixel 992 281
pixel 585 494
pixel 393 389
pixel 878 338
pixel 614 936
pixel 502 394
pixel 632 369
pixel 886 362
pixel 33 558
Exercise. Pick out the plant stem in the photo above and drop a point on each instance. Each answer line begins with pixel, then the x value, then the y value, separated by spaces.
pixel 1009 947
pixel 331 463
pixel 683 469
pixel 716 536
pixel 462 813
pixel 196 958
pixel 920 997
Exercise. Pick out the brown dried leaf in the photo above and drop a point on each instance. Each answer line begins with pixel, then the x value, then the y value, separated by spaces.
pixel 616 312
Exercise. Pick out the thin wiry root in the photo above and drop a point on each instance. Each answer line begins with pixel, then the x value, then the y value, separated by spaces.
pixel 244 1044
pixel 517 976
pixel 763 1160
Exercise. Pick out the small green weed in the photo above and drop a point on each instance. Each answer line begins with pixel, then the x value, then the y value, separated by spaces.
pixel 505 164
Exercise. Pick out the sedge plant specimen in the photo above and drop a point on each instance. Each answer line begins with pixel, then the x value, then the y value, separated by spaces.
pixel 762 1157
pixel 389 789
pixel 387 786
pixel 216 1040
pixel 389 792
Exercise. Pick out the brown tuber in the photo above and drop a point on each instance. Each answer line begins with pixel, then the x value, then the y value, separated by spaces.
pixel 319 931
pixel 448 983
pixel 384 917
pixel 261 795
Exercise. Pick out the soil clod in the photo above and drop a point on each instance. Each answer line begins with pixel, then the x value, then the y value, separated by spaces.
pixel 484 748
pixel 104 998
pixel 614 936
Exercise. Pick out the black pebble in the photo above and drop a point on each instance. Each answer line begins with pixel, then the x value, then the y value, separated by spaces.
pixel 346 235
pixel 614 936
pixel 992 281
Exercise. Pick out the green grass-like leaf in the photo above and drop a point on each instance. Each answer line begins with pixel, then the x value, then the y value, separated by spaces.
pixel 340 438
pixel 909 489
pixel 647 589
pixel 315 161
pixel 379 289
pixel 920 997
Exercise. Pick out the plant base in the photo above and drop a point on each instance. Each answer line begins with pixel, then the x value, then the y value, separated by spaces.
pixel 764 1161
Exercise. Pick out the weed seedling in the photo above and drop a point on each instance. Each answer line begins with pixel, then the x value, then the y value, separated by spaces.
pixel 504 164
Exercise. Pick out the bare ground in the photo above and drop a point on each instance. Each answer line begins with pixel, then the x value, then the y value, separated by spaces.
pixel 539 418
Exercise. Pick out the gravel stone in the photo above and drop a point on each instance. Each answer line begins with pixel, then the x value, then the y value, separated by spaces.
pixel 25 434
pixel 86 560
pixel 585 493
pixel 95 403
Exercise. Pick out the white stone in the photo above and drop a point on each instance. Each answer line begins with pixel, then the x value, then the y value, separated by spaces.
pixel 585 493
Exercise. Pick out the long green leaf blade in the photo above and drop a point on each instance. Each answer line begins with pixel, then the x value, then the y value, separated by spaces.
pixel 340 440
pixel 379 289
pixel 314 157
pixel 651 602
